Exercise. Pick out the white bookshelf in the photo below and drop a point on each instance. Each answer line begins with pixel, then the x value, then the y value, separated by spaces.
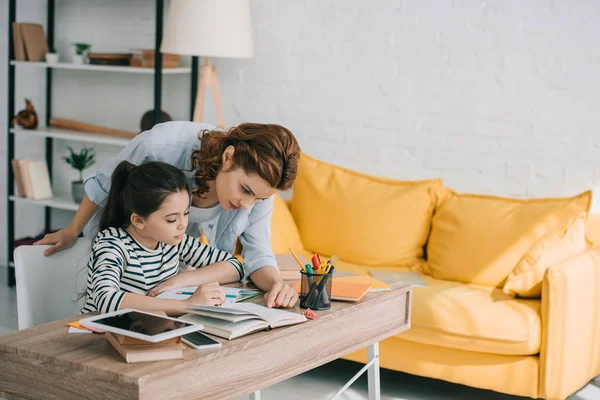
pixel 103 68
pixel 65 134
pixel 59 202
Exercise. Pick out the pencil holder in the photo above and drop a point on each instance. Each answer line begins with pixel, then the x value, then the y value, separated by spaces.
pixel 315 291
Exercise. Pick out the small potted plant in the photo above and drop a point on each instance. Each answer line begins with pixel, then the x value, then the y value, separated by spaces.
pixel 80 161
pixel 81 51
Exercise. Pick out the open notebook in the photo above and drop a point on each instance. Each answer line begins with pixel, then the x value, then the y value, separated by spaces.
pixel 239 319
pixel 234 295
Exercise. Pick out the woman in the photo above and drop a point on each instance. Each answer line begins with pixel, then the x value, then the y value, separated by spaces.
pixel 233 176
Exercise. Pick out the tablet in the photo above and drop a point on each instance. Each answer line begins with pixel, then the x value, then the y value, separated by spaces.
pixel 140 325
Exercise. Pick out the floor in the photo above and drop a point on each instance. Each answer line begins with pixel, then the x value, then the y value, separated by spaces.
pixel 323 382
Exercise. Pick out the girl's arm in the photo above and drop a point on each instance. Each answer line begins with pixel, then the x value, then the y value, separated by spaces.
pixel 108 296
pixel 208 294
pixel 223 266
pixel 213 265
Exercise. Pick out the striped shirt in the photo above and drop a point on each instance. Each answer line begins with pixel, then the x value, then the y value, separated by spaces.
pixel 119 264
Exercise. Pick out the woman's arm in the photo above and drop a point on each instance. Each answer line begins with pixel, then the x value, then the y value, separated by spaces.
pixel 259 260
pixel 65 238
pixel 97 187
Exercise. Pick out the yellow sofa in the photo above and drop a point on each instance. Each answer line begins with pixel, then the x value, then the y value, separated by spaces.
pixel 467 333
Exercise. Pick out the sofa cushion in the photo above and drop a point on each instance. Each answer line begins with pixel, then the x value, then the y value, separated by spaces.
pixel 526 279
pixel 480 239
pixel 475 318
pixel 284 234
pixel 592 229
pixel 468 317
pixel 363 219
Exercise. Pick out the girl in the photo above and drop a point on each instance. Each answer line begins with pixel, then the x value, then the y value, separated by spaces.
pixel 142 240
pixel 233 175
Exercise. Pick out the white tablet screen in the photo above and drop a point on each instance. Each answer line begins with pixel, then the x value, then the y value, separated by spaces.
pixel 146 324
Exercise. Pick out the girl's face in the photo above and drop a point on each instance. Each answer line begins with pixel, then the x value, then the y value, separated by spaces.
pixel 236 189
pixel 168 223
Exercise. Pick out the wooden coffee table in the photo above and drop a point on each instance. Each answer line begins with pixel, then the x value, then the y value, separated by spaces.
pixel 45 362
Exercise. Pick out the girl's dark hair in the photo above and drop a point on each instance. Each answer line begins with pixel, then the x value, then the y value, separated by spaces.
pixel 268 150
pixel 141 190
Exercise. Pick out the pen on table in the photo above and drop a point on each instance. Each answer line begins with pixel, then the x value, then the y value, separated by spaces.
pixel 298 261
pixel 229 296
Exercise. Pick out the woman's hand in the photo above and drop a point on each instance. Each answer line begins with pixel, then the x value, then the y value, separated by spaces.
pixel 60 240
pixel 209 294
pixel 281 295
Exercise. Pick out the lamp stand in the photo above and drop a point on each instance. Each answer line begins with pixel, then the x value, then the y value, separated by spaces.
pixel 208 79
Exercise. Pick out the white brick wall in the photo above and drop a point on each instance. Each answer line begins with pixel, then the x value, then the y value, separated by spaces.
pixel 496 97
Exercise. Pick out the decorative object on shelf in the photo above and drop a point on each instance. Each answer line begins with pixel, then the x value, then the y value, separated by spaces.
pixel 80 52
pixel 202 20
pixel 122 59
pixel 29 42
pixel 144 58
pixel 27 118
pixel 51 56
pixel 90 128
pixel 79 161
pixel 147 121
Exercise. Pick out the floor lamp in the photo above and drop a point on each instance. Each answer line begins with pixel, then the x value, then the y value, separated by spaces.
pixel 209 28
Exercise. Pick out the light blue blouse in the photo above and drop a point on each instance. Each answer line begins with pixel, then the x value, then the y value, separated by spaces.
pixel 173 142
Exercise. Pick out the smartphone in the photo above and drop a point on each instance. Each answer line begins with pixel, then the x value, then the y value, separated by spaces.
pixel 200 341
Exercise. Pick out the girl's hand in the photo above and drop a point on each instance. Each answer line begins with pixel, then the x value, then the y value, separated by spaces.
pixel 209 294
pixel 281 295
pixel 165 286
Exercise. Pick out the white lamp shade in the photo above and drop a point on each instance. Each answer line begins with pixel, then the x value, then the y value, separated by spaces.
pixel 213 28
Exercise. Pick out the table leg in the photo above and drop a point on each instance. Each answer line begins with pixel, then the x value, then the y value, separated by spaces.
pixel 255 395
pixel 373 372
pixel 372 368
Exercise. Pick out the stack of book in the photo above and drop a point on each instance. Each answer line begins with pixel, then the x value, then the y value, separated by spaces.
pixel 145 58
pixel 135 350
pixel 32 179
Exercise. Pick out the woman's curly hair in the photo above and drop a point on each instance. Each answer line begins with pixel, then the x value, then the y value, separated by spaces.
pixel 268 150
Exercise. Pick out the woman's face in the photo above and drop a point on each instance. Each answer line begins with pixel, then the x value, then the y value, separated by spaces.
pixel 236 189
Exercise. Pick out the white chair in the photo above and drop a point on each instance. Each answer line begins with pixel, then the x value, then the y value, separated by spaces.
pixel 47 287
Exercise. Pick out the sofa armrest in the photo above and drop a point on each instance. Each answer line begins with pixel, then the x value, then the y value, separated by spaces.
pixel 570 352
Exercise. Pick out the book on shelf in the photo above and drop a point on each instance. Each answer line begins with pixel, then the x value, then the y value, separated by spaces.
pixel 32 178
pixel 232 321
pixel 18 180
pixel 18 44
pixel 145 58
pixel 145 352
pixel 29 42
